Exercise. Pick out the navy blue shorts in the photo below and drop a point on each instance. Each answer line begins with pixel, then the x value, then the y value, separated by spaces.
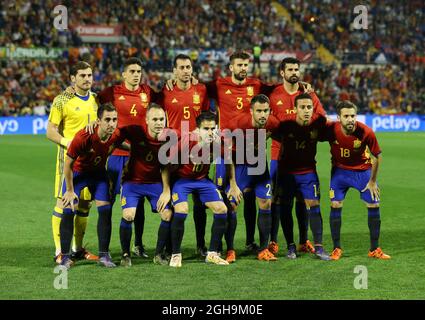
pixel 260 184
pixel 97 183
pixel 132 193
pixel 342 180
pixel 205 188
pixel 115 168
pixel 289 185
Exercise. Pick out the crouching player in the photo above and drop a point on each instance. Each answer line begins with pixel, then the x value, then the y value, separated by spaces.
pixel 144 177
pixel 352 167
pixel 192 178
pixel 85 167
pixel 260 182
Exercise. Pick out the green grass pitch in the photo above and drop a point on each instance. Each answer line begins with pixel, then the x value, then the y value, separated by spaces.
pixel 26 245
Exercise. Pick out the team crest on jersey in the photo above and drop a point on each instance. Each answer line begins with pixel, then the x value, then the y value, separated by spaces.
pixel 228 91
pixel 144 97
pixel 174 100
pixel 220 181
pixel 250 91
pixel 313 134
pixel 357 144
pixel 121 98
pixel 279 103
pixel 331 193
pixel 196 98
pixel 123 201
pixel 175 197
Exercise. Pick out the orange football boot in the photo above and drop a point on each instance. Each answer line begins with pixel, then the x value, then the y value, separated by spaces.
pixel 273 247
pixel 231 256
pixel 378 254
pixel 266 255
pixel 306 247
pixel 336 254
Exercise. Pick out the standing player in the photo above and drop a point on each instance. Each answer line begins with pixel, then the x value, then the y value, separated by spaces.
pixel 131 99
pixel 282 104
pixel 193 178
pixel 260 184
pixel 183 105
pixel 142 178
pixel 69 114
pixel 85 167
pixel 352 167
pixel 297 167
pixel 233 95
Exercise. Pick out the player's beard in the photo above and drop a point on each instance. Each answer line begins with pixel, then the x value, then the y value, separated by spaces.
pixel 241 75
pixel 292 79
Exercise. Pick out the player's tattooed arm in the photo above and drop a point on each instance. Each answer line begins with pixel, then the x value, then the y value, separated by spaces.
pixel 372 186
pixel 234 191
pixel 69 198
pixel 165 196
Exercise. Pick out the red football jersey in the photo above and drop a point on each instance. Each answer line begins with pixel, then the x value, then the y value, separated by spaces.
pixel 234 99
pixel 300 145
pixel 244 122
pixel 89 152
pixel 184 105
pixel 191 170
pixel 350 151
pixel 282 104
pixel 143 166
pixel 130 105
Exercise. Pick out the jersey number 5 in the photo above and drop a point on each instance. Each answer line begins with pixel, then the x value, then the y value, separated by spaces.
pixel 186 113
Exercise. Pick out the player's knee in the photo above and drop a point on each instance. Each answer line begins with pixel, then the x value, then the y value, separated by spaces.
pixel 182 207
pixel 102 203
pixel 336 204
pixel 372 205
pixel 166 215
pixel 217 207
pixel 129 214
pixel 59 203
pixel 264 204
pixel 312 203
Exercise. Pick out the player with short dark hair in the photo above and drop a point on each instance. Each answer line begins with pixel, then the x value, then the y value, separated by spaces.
pixel 131 99
pixel 85 167
pixel 70 113
pixel 260 183
pixel 296 172
pixel 233 95
pixel 192 177
pixel 351 144
pixel 282 101
pixel 183 105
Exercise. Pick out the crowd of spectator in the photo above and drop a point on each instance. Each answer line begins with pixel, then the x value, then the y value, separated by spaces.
pixel 154 30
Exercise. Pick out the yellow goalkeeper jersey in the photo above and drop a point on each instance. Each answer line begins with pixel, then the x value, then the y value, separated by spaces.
pixel 71 113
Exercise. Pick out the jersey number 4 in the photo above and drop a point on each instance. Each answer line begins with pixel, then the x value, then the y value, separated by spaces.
pixel 133 110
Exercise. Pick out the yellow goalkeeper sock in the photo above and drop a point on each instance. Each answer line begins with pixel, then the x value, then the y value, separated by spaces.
pixel 56 222
pixel 80 225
